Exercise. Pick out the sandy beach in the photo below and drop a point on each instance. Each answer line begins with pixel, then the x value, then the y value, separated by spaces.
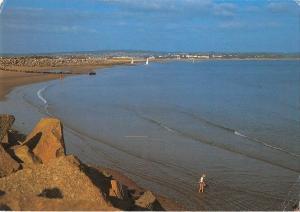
pixel 10 80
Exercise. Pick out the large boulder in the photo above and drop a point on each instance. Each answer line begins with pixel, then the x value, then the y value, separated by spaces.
pixel 61 180
pixel 6 121
pixel 46 140
pixel 7 164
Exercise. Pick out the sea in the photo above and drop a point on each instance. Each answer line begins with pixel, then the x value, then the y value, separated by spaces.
pixel 166 123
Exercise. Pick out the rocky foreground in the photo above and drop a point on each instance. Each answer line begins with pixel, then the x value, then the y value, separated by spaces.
pixel 36 174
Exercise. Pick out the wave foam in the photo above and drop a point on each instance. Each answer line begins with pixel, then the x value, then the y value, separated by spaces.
pixel 40 96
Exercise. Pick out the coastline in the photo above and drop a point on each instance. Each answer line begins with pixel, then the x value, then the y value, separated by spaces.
pixel 21 75
pixel 76 149
pixel 10 79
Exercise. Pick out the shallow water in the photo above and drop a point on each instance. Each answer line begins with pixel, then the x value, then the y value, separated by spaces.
pixel 167 123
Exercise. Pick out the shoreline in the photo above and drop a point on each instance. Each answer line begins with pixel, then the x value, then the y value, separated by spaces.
pixel 10 79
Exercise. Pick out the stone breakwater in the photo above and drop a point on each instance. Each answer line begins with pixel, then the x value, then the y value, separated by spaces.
pixel 36 174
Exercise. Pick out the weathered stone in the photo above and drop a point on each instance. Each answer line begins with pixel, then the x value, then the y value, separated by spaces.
pixel 148 201
pixel 118 190
pixel 19 202
pixel 23 153
pixel 6 121
pixel 5 140
pixel 119 195
pixel 7 164
pixel 61 178
pixel 46 140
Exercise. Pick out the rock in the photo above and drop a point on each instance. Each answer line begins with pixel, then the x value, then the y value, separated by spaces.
pixel 5 140
pixel 7 164
pixel 119 196
pixel 46 140
pixel 6 121
pixel 23 153
pixel 118 190
pixel 19 202
pixel 148 201
pixel 12 138
pixel 61 180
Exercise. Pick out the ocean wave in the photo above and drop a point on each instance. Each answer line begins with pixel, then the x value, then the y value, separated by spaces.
pixel 238 133
pixel 266 144
pixel 210 142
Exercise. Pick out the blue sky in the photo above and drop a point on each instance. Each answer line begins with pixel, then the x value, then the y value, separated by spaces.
pixel 36 26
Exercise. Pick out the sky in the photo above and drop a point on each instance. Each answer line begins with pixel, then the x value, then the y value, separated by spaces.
pixel 47 26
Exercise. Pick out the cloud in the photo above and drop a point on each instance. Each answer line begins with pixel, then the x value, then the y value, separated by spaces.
pixel 225 9
pixel 279 7
pixel 175 6
pixel 298 2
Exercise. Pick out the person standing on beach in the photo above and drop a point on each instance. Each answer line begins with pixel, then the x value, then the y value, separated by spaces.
pixel 202 183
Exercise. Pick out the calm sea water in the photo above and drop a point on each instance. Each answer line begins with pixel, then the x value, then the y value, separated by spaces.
pixel 165 124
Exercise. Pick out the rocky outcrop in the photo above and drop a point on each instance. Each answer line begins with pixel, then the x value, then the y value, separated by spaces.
pixel 37 175
pixel 59 179
pixel 46 140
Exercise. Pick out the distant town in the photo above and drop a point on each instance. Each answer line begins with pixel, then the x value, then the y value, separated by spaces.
pixel 156 55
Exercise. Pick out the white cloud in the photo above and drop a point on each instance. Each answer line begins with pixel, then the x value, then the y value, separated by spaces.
pixel 186 6
pixel 298 2
pixel 224 9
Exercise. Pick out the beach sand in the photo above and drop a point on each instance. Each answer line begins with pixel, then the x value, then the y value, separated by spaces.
pixel 10 80
pixel 22 75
